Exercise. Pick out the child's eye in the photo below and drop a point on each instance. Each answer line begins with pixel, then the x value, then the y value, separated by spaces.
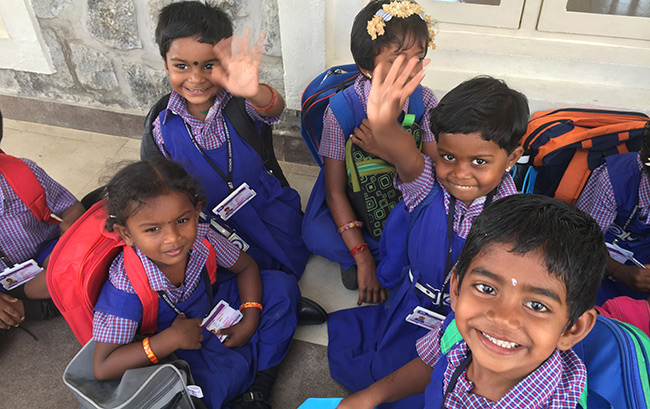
pixel 447 157
pixel 209 66
pixel 152 230
pixel 485 289
pixel 183 220
pixel 181 66
pixel 478 161
pixel 536 306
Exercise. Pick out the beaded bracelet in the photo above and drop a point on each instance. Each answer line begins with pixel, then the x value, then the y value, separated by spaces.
pixel 147 350
pixel 358 249
pixel 349 225
pixel 274 100
pixel 251 305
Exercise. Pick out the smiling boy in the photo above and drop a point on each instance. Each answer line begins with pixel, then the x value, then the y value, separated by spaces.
pixel 522 292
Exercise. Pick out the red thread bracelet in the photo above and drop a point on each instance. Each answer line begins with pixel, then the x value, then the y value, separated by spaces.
pixel 274 99
pixel 349 225
pixel 358 249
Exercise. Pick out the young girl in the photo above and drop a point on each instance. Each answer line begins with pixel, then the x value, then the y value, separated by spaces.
pixel 154 206
pixel 478 126
pixel 382 30
pixel 617 195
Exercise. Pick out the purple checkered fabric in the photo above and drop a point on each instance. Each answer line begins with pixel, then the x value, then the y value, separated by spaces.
pixel 22 234
pixel 117 330
pixel 210 134
pixel 417 190
pixel 597 198
pixel 332 144
pixel 556 384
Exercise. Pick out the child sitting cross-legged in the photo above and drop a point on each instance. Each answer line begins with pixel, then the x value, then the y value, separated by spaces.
pixel 154 206
pixel 523 292
pixel 478 125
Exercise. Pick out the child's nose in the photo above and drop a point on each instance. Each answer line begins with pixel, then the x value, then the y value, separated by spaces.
pixel 505 314
pixel 172 234
pixel 462 170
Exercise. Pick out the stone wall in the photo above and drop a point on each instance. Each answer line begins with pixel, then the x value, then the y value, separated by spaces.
pixel 105 56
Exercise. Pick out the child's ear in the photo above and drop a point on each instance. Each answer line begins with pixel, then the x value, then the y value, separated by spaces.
pixel 514 156
pixel 578 330
pixel 453 289
pixel 124 234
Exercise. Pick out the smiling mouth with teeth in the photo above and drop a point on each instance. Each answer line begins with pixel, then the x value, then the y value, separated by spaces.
pixel 498 342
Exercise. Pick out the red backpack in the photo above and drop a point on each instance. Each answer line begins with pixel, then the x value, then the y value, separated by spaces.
pixel 78 269
pixel 24 183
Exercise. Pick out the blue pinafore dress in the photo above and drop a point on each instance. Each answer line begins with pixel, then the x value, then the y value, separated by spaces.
pixel 368 343
pixel 223 373
pixel 628 231
pixel 271 222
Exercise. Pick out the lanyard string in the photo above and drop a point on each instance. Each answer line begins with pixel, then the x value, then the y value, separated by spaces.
pixel 454 377
pixel 450 235
pixel 173 306
pixel 228 178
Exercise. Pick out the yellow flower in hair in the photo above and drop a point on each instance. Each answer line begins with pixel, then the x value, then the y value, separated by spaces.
pixel 376 27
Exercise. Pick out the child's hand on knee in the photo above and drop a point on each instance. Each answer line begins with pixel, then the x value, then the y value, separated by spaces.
pixel 240 333
pixel 12 311
pixel 188 332
pixel 370 291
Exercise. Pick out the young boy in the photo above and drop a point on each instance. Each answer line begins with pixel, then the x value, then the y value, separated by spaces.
pixel 195 42
pixel 523 292
pixel 25 237
pixel 477 125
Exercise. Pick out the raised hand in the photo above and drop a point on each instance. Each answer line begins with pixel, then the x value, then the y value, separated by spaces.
pixel 239 63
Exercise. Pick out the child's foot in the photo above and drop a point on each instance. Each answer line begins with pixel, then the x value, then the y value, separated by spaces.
pixel 349 277
pixel 258 396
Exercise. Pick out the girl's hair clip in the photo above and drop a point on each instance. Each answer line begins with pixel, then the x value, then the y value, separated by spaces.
pixel 402 9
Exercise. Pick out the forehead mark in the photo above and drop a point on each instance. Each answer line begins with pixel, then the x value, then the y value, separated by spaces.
pixel 514 282
pixel 195 63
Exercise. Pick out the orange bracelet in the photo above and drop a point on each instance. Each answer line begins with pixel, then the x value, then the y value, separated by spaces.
pixel 359 249
pixel 147 350
pixel 349 225
pixel 251 305
pixel 274 100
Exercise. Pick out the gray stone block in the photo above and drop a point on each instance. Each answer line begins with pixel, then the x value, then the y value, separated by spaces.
pixel 113 22
pixel 49 8
pixel 93 69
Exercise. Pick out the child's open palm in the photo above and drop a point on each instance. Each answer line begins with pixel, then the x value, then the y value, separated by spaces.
pixel 238 67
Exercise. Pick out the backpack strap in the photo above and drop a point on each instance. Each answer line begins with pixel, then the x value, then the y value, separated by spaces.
pixel 140 282
pixel 25 184
pixel 211 263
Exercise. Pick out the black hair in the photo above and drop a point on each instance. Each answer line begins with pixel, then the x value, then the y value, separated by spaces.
pixel 569 241
pixel 486 105
pixel 403 32
pixel 1 126
pixel 644 153
pixel 138 182
pixel 205 21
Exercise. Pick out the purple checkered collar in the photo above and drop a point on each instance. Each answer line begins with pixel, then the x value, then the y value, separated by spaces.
pixel 178 106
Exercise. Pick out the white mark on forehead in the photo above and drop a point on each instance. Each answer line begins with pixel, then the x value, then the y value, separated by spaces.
pixel 514 282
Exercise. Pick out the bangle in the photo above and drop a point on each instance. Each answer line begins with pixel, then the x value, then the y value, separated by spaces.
pixel 245 305
pixel 359 249
pixel 274 99
pixel 349 225
pixel 147 350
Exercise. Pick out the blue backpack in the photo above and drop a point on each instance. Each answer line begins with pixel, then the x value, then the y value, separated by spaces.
pixel 615 354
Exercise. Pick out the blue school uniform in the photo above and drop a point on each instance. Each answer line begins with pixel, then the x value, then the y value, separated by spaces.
pixel 368 343
pixel 223 373
pixel 628 230
pixel 271 222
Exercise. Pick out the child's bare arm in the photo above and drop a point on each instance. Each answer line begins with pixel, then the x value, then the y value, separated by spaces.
pixel 637 278
pixel 110 361
pixel 250 290
pixel 370 290
pixel 238 72
pixel 381 135
pixel 408 380
pixel 70 215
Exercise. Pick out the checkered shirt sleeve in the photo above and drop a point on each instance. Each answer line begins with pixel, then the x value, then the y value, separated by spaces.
pixel 428 347
pixel 117 330
pixel 22 234
pixel 210 133
pixel 556 384
pixel 332 143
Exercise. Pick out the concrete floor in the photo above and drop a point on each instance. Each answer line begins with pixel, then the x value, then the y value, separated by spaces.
pixel 81 161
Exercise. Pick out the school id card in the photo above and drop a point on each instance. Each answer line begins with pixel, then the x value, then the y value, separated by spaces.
pixel 425 318
pixel 19 274
pixel 622 255
pixel 234 201
pixel 221 316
